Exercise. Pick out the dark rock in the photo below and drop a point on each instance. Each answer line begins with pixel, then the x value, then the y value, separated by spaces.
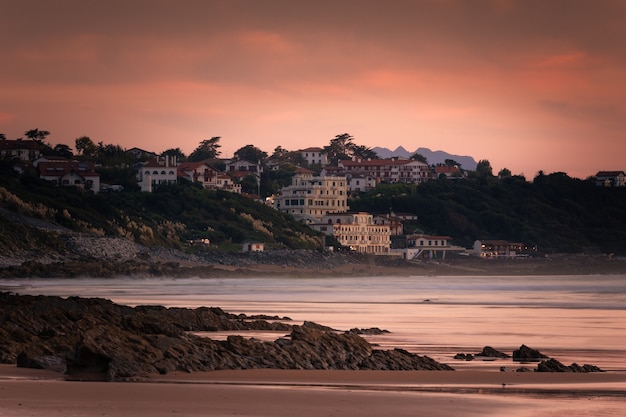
pixel 526 354
pixel 95 339
pixel 464 357
pixel 490 352
pixel 372 331
pixel 552 365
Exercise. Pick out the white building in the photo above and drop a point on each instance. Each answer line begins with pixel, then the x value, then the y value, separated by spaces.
pixel 356 231
pixel 309 198
pixel 156 171
pixel 70 173
pixel 393 170
pixel 314 156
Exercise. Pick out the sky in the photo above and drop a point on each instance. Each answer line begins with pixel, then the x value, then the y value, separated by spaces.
pixel 528 85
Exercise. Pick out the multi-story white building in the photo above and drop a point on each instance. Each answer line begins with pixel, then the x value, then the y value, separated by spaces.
pixel 314 156
pixel 309 198
pixel 159 170
pixel 358 231
pixel 394 170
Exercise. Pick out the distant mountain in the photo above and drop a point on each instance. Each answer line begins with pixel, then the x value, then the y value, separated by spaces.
pixel 433 157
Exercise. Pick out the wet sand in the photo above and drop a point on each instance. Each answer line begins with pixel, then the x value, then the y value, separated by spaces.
pixel 26 392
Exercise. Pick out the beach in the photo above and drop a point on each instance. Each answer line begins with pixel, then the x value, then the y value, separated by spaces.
pixel 26 392
pixel 571 318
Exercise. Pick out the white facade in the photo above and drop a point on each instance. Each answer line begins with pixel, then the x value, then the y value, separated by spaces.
pixel 160 170
pixel 309 198
pixel 70 173
pixel 314 156
pixel 356 231
pixel 387 170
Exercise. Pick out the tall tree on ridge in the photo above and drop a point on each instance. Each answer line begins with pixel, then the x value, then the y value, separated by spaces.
pixel 208 149
pixel 37 135
pixel 340 147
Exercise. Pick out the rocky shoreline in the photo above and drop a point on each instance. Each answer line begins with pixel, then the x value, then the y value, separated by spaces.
pixel 95 339
pixel 83 255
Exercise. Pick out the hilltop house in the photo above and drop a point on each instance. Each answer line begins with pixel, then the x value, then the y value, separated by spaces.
pixel 610 179
pixel 156 171
pixel 139 153
pixel 309 197
pixel 393 170
pixel 356 231
pixel 314 156
pixel 23 150
pixel 198 172
pixel 449 171
pixel 70 173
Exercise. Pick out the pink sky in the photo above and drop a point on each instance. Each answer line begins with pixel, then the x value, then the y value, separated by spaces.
pixel 527 84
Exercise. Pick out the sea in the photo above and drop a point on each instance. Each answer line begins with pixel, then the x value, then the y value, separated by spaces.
pixel 572 318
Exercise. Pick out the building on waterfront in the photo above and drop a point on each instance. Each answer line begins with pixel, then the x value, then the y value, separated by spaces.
pixel 310 197
pixel 357 231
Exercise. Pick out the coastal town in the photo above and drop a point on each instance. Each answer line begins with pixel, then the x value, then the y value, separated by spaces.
pixel 316 191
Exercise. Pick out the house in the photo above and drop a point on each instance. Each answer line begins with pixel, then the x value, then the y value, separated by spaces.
pixel 497 248
pixel 314 156
pixel 226 183
pixel 23 150
pixel 156 171
pixel 422 246
pixel 610 179
pixel 449 171
pixel 198 172
pixel 357 231
pixel 138 153
pixel 310 197
pixel 253 247
pixel 396 228
pixel 70 173
pixel 244 167
pixel 360 183
pixel 394 170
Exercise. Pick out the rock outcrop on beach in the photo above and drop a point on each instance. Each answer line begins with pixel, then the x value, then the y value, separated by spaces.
pixel 552 365
pixel 90 338
pixel 527 354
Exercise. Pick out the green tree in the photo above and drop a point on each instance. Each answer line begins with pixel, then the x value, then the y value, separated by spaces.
pixel 177 152
pixel 279 152
pixel 504 173
pixel 340 147
pixel 37 135
pixel 483 168
pixel 63 150
pixel 419 157
pixel 364 152
pixel 251 153
pixel 208 149
pixel 452 163
pixel 85 147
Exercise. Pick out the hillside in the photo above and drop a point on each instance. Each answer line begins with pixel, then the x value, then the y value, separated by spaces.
pixel 31 208
pixel 554 212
